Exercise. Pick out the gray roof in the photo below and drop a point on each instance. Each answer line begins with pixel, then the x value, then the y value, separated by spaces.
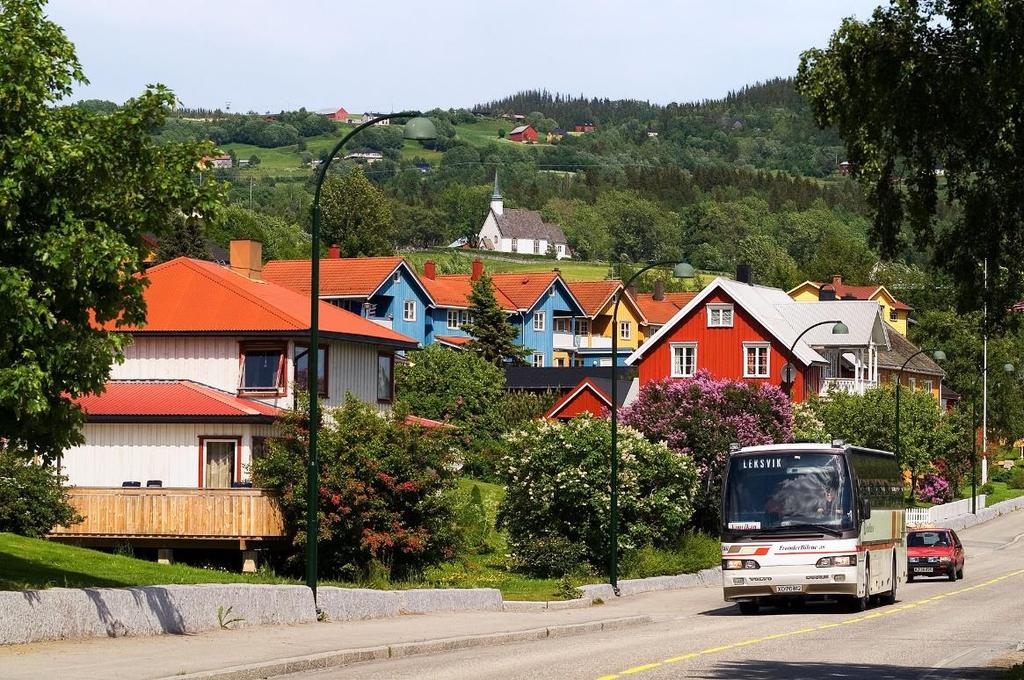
pixel 519 223
pixel 901 350
pixel 862 318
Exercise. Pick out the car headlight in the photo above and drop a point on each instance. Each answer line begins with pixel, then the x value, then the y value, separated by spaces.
pixel 944 560
pixel 837 561
pixel 740 564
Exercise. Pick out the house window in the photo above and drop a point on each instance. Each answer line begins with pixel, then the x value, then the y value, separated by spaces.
pixel 538 360
pixel 397 278
pixel 894 315
pixel 409 310
pixel 755 364
pixel 563 324
pixel 538 321
pixel 260 447
pixel 560 249
pixel 928 386
pixel 625 330
pixel 719 316
pixel 217 465
pixel 385 377
pixel 559 361
pixel 912 383
pixel 302 368
pixel 262 368
pixel 536 246
pixel 684 359
pixel 455 318
pixel 515 245
pixel 583 327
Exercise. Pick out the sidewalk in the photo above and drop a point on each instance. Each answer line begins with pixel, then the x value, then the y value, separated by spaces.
pixel 176 655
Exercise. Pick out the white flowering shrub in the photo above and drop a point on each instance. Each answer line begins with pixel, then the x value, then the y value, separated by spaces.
pixel 558 478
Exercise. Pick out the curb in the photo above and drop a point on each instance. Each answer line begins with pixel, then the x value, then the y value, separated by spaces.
pixel 325 660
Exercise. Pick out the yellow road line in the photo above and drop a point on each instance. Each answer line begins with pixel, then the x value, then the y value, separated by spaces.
pixel 857 619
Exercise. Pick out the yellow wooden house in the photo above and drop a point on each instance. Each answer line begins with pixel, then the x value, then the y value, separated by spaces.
pixel 894 312
pixel 591 335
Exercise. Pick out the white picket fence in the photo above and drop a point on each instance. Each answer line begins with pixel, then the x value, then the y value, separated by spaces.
pixel 938 513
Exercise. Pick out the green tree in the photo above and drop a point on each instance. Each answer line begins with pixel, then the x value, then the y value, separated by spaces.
pixel 78 190
pixel 281 240
pixel 494 338
pixel 923 86
pixel 187 238
pixel 33 499
pixel 254 160
pixel 356 216
pixel 772 265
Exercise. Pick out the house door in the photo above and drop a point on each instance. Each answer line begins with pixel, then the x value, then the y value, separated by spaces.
pixel 219 466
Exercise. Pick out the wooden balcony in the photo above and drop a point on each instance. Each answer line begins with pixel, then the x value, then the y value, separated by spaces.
pixel 170 516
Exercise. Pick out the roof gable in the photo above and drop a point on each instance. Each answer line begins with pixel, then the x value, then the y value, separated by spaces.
pixel 658 312
pixel 340 277
pixel 186 295
pixel 527 224
pixel 525 289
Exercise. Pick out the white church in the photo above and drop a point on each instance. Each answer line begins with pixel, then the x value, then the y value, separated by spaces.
pixel 520 231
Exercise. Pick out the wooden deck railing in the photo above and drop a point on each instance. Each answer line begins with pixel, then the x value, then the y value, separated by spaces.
pixel 174 513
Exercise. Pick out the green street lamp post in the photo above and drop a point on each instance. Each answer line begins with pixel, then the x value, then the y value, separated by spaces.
pixel 415 128
pixel 1008 369
pixel 789 370
pixel 679 270
pixel 938 355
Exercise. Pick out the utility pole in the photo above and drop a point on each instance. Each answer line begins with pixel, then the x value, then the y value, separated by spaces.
pixel 250 192
pixel 984 382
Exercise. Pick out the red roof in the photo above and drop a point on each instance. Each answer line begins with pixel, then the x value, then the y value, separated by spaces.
pixel 454 290
pixel 658 312
pixel 186 295
pixel 524 288
pixel 457 340
pixel 593 296
pixel 427 423
pixel 170 399
pixel 341 277
pixel 847 291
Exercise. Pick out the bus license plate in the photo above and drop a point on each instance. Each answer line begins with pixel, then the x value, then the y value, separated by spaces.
pixel 789 589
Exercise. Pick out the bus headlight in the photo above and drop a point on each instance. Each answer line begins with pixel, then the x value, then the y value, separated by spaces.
pixel 740 564
pixel 837 561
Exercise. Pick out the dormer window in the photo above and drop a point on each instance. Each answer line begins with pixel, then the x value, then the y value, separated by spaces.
pixel 720 316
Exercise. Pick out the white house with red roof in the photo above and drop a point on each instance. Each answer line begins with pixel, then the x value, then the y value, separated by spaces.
pixel 219 358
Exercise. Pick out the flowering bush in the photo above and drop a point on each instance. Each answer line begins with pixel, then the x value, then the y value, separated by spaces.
pixel 558 491
pixel 386 492
pixel 934 489
pixel 699 418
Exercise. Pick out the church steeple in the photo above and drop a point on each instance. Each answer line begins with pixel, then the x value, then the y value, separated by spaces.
pixel 497 204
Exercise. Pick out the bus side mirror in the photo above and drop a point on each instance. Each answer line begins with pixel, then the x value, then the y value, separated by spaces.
pixel 865 509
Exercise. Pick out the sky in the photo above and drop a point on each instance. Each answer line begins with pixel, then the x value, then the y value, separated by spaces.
pixel 262 55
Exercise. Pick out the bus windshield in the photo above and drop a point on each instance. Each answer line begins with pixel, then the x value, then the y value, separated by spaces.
pixel 788 489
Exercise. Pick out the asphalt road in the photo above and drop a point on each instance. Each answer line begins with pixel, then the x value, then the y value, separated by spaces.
pixel 937 630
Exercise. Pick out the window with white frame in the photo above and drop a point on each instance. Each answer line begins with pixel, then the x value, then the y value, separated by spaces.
pixel 538 360
pixel 409 310
pixel 912 383
pixel 563 324
pixel 536 246
pixel 719 316
pixel 755 359
pixel 538 321
pixel 625 330
pixel 583 327
pixel 928 386
pixel 684 359
pixel 515 245
pixel 456 318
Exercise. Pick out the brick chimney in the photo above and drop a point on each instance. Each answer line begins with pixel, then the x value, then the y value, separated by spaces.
pixel 837 280
pixel 478 269
pixel 659 289
pixel 247 258
pixel 333 252
pixel 429 270
pixel 631 291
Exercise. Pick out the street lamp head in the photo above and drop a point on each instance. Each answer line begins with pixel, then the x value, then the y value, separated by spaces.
pixel 1008 368
pixel 939 355
pixel 840 328
pixel 420 129
pixel 683 270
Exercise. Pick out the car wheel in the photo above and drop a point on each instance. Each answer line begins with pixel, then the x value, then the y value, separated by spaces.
pixel 952 573
pixel 748 608
pixel 960 572
pixel 890 597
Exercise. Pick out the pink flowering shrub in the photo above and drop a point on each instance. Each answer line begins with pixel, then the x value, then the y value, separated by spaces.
pixel 935 489
pixel 699 417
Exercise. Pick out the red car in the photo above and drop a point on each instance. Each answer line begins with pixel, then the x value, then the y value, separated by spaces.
pixel 934 552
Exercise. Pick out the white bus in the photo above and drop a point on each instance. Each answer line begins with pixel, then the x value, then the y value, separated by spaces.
pixel 812 520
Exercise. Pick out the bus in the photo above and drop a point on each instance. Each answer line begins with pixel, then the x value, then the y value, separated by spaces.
pixel 803 521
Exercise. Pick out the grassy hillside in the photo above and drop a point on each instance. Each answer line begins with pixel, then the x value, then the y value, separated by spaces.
pixel 452 261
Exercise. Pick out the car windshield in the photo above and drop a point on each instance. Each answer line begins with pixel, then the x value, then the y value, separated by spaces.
pixel 788 489
pixel 928 539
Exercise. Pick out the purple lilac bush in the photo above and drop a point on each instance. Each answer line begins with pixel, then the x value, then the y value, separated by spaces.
pixel 935 489
pixel 699 417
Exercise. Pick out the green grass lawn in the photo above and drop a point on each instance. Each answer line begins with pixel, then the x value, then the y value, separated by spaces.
pixel 572 270
pixel 1002 493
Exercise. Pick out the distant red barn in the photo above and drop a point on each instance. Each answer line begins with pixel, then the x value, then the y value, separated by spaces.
pixel 584 127
pixel 341 115
pixel 523 134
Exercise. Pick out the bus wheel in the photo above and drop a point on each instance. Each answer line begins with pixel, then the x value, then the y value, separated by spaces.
pixel 748 608
pixel 890 597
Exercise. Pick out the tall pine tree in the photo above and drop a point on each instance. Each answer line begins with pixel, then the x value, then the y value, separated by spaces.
pixel 494 338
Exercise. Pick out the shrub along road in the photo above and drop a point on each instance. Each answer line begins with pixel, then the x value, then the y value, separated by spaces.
pixel 937 630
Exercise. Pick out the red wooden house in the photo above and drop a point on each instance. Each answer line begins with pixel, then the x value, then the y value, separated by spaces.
pixel 735 329
pixel 341 115
pixel 583 127
pixel 593 396
pixel 523 134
